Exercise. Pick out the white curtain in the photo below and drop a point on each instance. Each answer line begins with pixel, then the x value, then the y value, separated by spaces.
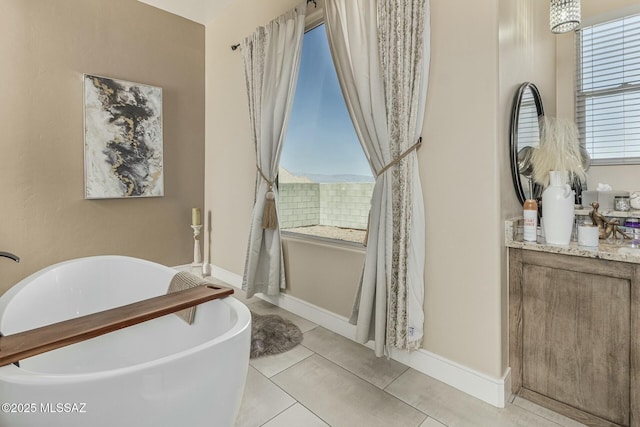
pixel 271 61
pixel 381 53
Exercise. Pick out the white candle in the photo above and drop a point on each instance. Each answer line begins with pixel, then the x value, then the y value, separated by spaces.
pixel 588 235
pixel 196 217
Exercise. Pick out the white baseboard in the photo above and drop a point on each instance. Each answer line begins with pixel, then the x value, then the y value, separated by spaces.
pixel 226 276
pixel 494 391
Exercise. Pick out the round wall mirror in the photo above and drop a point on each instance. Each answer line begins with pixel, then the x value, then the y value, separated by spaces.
pixel 526 115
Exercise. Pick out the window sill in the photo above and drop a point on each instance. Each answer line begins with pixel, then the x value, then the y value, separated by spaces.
pixel 325 241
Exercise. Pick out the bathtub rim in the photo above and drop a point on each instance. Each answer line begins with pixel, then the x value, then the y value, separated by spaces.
pixel 15 374
pixel 9 294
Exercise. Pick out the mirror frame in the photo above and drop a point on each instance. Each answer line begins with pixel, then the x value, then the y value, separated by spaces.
pixel 513 139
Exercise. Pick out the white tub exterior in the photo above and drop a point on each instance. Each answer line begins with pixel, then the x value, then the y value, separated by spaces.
pixel 163 372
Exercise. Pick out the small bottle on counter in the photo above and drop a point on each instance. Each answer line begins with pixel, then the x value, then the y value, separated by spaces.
pixel 632 223
pixel 530 220
pixel 633 230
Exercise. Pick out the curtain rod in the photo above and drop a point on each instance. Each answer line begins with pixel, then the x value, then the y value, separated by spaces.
pixel 236 46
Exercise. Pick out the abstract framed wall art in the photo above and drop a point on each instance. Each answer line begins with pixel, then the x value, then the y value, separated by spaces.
pixel 123 154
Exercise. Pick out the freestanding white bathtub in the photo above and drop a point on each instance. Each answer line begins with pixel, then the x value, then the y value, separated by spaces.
pixel 162 372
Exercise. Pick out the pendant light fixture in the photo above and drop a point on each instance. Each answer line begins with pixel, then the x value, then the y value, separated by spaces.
pixel 564 15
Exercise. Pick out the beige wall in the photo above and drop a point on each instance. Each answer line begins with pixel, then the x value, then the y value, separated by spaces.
pixel 460 172
pixel 229 154
pixel 624 177
pixel 460 178
pixel 323 274
pixel 619 177
pixel 45 48
pixel 526 55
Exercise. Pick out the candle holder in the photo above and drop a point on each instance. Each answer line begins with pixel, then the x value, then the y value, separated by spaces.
pixel 197 257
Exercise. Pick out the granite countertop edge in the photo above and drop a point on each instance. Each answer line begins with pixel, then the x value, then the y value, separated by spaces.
pixel 607 251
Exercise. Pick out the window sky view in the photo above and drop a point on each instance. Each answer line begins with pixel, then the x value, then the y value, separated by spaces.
pixel 320 138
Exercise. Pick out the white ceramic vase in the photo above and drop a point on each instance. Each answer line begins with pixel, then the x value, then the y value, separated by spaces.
pixel 558 209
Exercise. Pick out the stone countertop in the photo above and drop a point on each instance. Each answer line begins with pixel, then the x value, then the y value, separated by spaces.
pixel 625 252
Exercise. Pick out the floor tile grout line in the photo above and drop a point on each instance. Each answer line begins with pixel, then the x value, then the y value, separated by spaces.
pixel 363 378
pixel 288 394
pixel 436 420
pixel 317 415
pixel 279 413
pixel 383 389
pixel 295 364
pixel 542 416
pixel 288 367
pixel 344 369
pixel 355 373
pixel 369 382
pixel 269 379
pixel 408 403
pixel 396 378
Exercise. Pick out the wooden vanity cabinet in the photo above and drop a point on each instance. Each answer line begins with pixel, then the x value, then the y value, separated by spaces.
pixel 574 335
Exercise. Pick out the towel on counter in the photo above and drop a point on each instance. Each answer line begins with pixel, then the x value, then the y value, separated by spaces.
pixel 181 281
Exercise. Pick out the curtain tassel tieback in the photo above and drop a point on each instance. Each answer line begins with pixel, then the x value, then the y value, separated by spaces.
pixel 386 168
pixel 269 214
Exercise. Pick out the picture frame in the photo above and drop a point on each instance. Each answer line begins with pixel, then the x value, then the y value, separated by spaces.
pixel 123 139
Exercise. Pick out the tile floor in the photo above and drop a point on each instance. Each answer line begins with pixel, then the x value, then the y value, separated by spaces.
pixel 329 380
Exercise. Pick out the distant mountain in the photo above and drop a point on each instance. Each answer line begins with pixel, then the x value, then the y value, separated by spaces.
pixel 300 177
pixel 323 179
pixel 286 176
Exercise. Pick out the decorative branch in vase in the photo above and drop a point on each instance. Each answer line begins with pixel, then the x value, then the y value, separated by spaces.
pixel 558 156
pixel 559 150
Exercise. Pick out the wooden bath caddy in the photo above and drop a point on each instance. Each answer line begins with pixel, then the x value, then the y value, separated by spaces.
pixel 16 347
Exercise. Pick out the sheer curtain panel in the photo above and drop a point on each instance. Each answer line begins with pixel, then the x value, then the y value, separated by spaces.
pixel 381 53
pixel 271 61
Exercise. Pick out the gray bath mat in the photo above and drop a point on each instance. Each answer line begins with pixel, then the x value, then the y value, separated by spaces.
pixel 271 334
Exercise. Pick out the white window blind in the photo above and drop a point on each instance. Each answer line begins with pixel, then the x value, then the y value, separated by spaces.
pixel 608 90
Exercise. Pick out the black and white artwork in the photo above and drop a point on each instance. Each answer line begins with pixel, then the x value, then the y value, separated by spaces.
pixel 122 139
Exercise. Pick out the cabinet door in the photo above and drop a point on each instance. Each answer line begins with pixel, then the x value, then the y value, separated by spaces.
pixel 576 336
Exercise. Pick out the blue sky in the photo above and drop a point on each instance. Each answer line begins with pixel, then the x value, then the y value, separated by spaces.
pixel 320 138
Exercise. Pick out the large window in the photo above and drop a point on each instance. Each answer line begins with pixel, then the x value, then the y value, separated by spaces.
pixel 325 182
pixel 608 90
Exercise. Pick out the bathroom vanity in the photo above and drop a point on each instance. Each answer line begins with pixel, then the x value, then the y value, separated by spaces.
pixel 574 329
